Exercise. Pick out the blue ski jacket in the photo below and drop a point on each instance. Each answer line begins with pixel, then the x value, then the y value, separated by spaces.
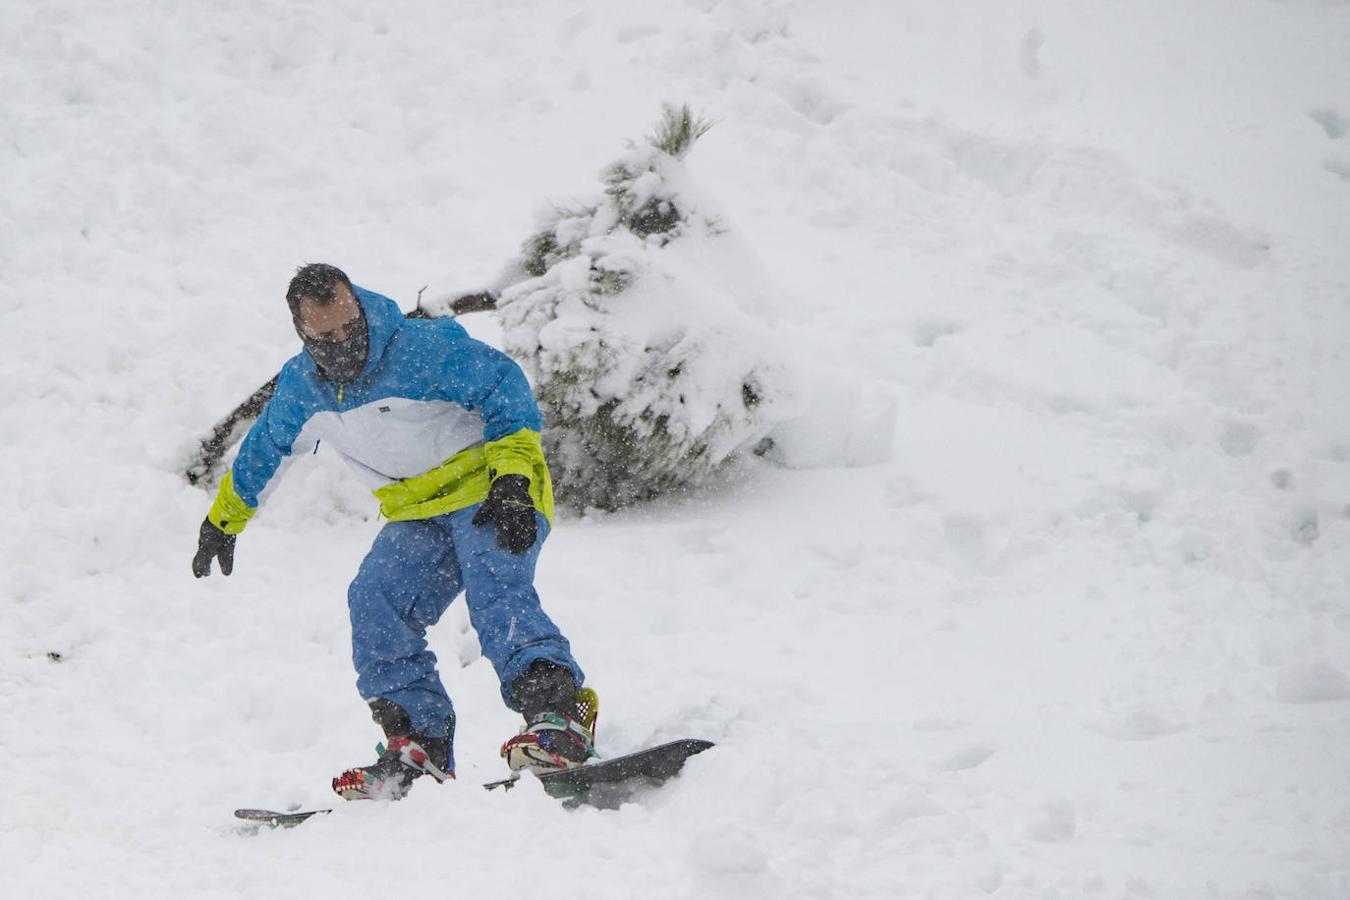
pixel 432 419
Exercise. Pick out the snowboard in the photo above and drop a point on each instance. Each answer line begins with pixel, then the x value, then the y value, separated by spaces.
pixel 606 784
pixel 609 783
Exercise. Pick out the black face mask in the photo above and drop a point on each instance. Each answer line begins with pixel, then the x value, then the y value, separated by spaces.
pixel 341 361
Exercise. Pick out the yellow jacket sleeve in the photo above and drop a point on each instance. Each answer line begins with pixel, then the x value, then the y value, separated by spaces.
pixel 229 512
pixel 465 479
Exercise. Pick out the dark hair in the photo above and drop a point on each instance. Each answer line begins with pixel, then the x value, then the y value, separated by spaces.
pixel 319 282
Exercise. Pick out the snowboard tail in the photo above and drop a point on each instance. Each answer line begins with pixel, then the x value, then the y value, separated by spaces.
pixel 273 819
pixel 610 783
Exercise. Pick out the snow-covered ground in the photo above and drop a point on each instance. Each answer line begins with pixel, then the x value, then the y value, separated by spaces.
pixel 1085 632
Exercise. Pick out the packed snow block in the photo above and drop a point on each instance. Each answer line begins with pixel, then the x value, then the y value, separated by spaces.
pixel 646 328
pixel 841 421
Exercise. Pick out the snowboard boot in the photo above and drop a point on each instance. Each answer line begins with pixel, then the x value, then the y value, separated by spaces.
pixel 559 730
pixel 406 757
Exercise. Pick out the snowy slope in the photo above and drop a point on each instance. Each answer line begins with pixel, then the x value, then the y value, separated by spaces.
pixel 1084 633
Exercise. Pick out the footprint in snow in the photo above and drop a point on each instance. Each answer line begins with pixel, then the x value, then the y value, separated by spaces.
pixel 940 723
pixel 968 757
pixel 1141 725
pixel 966 538
pixel 1336 126
pixel 1238 438
pixel 928 332
pixel 1318 682
pixel 1055 821
pixel 1338 167
pixel 1028 53
pixel 1331 120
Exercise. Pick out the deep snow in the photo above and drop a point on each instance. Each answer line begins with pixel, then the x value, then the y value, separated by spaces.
pixel 1084 632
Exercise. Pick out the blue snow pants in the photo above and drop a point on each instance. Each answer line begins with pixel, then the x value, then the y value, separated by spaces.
pixel 413 571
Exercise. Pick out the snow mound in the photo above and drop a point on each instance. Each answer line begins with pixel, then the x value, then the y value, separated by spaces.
pixel 646 329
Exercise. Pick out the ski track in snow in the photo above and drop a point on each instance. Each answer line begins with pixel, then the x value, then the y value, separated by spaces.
pixel 1085 631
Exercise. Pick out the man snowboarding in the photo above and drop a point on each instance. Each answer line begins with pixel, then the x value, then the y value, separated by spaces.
pixel 445 430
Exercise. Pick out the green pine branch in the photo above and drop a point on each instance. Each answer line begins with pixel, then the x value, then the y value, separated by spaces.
pixel 678 129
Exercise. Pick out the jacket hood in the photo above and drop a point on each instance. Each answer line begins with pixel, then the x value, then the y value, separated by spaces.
pixel 383 320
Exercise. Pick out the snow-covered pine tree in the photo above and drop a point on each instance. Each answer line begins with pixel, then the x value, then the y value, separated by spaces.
pixel 644 324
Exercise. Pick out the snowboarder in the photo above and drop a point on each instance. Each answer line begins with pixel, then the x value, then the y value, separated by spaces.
pixel 445 430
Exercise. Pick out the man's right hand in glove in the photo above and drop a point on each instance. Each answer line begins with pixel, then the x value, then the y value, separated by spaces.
pixel 510 509
pixel 212 543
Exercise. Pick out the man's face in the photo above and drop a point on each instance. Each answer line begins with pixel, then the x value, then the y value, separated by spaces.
pixel 335 335
pixel 332 322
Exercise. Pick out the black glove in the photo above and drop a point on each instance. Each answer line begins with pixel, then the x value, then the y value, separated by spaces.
pixel 212 543
pixel 510 507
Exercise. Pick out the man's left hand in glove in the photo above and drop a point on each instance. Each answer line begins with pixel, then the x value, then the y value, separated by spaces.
pixel 212 543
